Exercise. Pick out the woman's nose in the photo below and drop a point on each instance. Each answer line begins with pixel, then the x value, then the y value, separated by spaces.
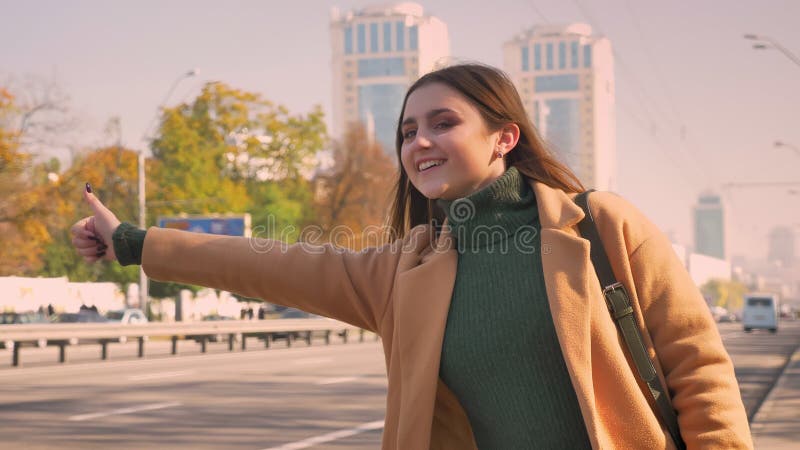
pixel 421 140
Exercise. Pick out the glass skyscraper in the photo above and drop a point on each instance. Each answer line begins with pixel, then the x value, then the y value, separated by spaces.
pixel 378 52
pixel 565 77
pixel 709 226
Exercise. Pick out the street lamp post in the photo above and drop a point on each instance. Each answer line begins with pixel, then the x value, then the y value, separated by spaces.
pixel 143 291
pixel 766 42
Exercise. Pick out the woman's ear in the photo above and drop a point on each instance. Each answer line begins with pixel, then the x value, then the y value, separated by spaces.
pixel 508 138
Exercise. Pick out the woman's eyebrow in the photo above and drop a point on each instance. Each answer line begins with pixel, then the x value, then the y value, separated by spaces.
pixel 431 114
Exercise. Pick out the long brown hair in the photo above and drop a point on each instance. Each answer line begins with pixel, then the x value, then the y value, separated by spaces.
pixel 493 93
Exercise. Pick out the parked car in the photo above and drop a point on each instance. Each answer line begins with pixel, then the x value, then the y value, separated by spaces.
pixel 214 337
pixel 126 316
pixel 15 318
pixel 84 316
pixel 9 318
pixel 292 313
pixel 87 316
pixel 722 315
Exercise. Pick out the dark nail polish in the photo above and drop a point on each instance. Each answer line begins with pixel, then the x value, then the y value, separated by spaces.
pixel 96 239
pixel 88 188
pixel 100 254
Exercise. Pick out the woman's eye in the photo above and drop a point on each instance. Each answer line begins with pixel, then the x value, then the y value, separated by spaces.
pixel 443 125
pixel 409 134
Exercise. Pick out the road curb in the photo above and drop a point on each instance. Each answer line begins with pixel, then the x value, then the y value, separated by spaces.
pixel 761 419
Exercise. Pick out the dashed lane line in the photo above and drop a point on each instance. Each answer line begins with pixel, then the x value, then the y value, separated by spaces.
pixel 117 412
pixel 153 376
pixel 337 380
pixel 330 437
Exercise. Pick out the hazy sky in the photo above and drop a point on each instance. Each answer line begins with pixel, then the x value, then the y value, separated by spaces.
pixel 697 106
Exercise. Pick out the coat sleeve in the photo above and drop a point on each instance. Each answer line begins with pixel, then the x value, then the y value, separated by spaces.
pixel 350 286
pixel 697 368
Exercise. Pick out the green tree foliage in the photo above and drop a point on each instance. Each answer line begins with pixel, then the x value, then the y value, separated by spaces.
pixel 231 151
pixel 724 293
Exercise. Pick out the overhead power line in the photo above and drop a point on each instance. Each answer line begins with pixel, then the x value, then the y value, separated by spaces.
pixel 655 114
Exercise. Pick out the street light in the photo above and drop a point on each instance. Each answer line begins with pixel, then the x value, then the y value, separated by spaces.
pixel 794 148
pixel 766 42
pixel 143 291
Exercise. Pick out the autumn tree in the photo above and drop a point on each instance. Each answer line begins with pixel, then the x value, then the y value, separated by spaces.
pixel 231 151
pixel 112 171
pixel 43 119
pixel 21 254
pixel 725 293
pixel 26 195
pixel 352 196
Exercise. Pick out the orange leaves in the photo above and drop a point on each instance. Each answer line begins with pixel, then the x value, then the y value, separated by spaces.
pixel 353 196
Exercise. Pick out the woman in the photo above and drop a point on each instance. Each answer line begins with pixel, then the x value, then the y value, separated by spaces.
pixel 494 328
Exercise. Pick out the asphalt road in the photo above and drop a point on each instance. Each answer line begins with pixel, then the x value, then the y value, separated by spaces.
pixel 759 358
pixel 243 400
pixel 319 397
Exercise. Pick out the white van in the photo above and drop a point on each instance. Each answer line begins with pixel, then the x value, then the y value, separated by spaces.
pixel 760 311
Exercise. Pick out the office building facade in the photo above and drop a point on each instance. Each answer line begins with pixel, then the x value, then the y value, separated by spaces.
pixel 377 53
pixel 782 246
pixel 709 226
pixel 565 77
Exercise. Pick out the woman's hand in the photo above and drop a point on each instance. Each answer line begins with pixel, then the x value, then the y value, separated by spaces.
pixel 91 235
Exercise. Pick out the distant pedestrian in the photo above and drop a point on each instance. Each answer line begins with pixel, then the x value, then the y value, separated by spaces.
pixel 493 323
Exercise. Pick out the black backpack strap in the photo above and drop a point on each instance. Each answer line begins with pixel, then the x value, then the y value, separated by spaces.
pixel 619 305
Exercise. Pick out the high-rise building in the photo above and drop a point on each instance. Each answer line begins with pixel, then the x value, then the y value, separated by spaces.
pixel 709 226
pixel 565 77
pixel 781 246
pixel 378 52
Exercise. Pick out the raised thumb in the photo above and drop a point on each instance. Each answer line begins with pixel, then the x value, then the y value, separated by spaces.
pixel 93 202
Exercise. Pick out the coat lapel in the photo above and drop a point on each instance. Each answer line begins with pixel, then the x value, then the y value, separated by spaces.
pixel 423 298
pixel 424 290
pixel 571 286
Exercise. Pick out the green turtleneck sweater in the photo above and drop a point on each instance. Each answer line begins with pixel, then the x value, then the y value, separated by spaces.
pixel 501 355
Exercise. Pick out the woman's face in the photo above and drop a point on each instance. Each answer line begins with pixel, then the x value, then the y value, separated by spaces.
pixel 440 126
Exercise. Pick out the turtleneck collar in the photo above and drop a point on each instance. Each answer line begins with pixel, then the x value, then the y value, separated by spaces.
pixel 493 213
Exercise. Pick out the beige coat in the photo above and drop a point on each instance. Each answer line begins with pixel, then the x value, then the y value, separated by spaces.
pixel 402 291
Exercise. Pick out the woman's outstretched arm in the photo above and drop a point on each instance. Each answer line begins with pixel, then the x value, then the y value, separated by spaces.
pixel 350 286
pixel 354 287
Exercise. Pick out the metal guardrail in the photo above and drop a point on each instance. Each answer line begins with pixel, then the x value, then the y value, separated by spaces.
pixel 14 337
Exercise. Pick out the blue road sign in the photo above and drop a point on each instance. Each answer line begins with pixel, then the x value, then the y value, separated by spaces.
pixel 226 225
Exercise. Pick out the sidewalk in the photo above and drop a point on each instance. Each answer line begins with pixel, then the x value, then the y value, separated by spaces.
pixel 776 425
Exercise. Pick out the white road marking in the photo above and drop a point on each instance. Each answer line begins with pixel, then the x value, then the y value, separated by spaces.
pixel 336 435
pixel 312 361
pixel 151 376
pixel 117 412
pixel 337 380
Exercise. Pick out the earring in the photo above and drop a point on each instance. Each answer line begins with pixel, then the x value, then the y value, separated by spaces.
pixel 499 154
